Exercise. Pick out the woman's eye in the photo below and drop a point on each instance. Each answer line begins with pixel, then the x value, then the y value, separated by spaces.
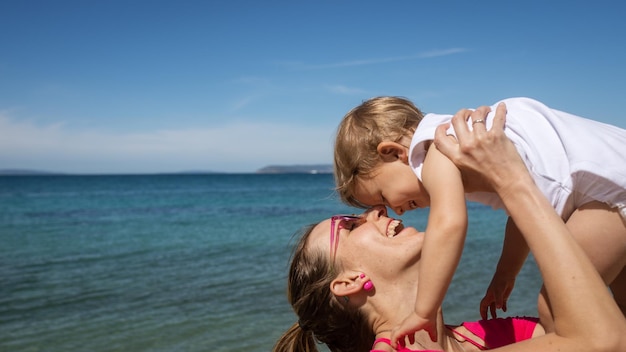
pixel 349 225
pixel 356 223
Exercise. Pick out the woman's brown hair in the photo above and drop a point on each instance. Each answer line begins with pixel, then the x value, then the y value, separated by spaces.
pixel 321 316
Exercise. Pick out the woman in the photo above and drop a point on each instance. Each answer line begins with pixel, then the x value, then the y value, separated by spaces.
pixel 351 281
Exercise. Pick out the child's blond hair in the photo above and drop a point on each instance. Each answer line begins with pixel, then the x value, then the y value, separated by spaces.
pixel 358 135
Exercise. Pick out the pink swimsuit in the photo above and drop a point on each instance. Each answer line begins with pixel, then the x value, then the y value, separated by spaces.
pixel 495 332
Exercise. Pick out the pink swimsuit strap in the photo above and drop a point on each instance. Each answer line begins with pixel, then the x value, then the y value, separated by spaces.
pixel 400 349
pixel 480 346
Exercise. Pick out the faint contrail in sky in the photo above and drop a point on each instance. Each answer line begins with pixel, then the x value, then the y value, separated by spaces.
pixel 423 55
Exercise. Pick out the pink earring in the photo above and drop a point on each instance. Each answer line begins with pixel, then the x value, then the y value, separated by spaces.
pixel 369 285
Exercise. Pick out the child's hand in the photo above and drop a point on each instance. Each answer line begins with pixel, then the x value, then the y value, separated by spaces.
pixel 410 325
pixel 497 294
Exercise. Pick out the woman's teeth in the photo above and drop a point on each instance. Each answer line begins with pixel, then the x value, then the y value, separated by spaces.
pixel 391 228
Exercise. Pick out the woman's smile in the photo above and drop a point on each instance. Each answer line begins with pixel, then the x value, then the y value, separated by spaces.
pixel 394 227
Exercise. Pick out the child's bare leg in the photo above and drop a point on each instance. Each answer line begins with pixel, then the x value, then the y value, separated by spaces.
pixel 601 232
pixel 618 287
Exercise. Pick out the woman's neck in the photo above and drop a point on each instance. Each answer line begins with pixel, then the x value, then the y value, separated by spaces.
pixel 386 314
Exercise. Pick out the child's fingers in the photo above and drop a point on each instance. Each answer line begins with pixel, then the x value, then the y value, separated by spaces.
pixel 396 338
pixel 411 338
pixel 433 335
pixel 483 310
pixel 486 305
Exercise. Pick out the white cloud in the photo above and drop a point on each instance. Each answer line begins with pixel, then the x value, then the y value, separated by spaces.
pixel 240 147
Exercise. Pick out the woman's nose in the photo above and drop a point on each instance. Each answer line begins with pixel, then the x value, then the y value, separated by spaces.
pixel 376 211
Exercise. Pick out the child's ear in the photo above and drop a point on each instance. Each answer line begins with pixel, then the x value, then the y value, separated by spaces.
pixel 392 151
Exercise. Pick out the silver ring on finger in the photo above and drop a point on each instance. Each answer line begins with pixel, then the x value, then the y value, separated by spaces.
pixel 478 121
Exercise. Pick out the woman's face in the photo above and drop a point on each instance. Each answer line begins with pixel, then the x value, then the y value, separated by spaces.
pixel 374 244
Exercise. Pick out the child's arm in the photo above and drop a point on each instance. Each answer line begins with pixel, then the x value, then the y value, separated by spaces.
pixel 514 254
pixel 443 243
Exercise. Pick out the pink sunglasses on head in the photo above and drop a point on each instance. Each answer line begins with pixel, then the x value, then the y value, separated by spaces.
pixel 334 236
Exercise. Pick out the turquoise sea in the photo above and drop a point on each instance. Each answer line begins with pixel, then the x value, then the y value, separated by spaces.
pixel 181 262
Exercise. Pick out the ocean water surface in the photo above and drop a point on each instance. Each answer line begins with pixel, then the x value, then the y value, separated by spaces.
pixel 182 262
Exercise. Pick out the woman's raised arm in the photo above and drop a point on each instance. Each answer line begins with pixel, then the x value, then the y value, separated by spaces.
pixel 585 315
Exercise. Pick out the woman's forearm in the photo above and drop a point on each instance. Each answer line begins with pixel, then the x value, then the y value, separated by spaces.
pixel 576 291
pixel 585 315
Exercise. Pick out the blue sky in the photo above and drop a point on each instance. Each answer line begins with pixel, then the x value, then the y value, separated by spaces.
pixel 166 86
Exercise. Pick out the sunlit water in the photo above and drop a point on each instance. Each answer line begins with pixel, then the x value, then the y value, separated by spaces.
pixel 181 262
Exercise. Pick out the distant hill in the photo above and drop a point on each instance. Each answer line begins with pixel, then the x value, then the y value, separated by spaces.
pixel 24 172
pixel 296 169
pixel 271 169
pixel 19 172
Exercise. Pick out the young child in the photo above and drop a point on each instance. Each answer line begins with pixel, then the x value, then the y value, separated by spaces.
pixel 579 164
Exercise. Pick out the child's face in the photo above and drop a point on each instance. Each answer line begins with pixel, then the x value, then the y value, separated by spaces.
pixel 395 185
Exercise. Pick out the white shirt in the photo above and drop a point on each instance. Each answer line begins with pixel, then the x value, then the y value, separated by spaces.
pixel 573 160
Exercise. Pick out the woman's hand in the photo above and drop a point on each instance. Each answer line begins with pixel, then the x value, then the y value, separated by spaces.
pixel 474 150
